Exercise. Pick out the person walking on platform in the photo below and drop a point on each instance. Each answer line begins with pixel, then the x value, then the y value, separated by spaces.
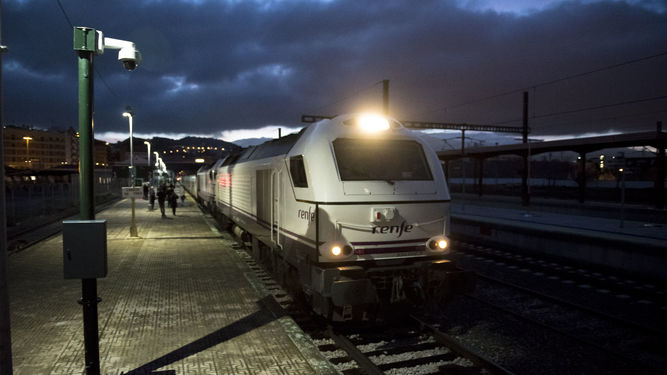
pixel 173 200
pixel 152 198
pixel 161 196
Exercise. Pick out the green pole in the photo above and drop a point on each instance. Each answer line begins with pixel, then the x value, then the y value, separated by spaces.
pixel 5 326
pixel 84 44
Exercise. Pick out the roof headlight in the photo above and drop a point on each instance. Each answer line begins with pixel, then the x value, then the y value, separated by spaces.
pixel 372 123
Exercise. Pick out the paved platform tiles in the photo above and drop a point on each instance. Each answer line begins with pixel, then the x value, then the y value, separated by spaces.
pixel 177 300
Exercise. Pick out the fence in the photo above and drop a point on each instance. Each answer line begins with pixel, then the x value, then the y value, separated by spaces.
pixel 37 202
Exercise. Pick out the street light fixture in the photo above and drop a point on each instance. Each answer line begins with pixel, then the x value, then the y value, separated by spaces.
pixel 129 114
pixel 27 149
pixel 148 144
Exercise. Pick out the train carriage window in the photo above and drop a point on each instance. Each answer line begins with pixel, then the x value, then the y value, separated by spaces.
pixel 298 171
pixel 387 160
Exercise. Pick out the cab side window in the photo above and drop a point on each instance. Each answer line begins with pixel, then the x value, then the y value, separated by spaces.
pixel 298 171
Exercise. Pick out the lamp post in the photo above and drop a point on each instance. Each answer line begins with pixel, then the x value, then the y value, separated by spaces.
pixel 89 42
pixel 148 153
pixel 148 144
pixel 27 149
pixel 133 225
pixel 129 114
pixel 156 166
pixel 622 171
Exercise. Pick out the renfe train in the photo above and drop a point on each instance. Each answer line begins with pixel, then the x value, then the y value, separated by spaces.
pixel 352 213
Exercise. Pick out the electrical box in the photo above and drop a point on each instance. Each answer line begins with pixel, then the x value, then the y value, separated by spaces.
pixel 85 249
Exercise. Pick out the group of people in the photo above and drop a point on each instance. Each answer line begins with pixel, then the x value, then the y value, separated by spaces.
pixel 164 194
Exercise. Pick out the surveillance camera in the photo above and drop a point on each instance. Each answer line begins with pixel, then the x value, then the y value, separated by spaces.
pixel 128 53
pixel 130 57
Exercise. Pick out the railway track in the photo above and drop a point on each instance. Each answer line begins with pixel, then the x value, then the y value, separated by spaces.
pixel 628 300
pixel 619 339
pixel 634 342
pixel 21 239
pixel 412 347
pixel 415 347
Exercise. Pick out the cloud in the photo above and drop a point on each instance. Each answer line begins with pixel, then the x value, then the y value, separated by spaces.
pixel 214 66
pixel 264 132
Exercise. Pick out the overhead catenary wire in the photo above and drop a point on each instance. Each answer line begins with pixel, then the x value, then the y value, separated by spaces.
pixel 627 102
pixel 610 119
pixel 578 110
pixel 549 82
pixel 62 9
pixel 99 75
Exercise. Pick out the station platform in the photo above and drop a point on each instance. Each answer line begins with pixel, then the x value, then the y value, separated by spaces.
pixel 177 300
pixel 632 238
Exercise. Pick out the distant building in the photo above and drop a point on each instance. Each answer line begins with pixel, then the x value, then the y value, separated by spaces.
pixel 29 148
pixel 102 154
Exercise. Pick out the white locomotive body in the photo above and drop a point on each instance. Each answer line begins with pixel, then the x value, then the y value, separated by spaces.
pixel 205 185
pixel 354 217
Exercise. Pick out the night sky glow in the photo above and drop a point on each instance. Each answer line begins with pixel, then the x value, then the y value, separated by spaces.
pixel 240 69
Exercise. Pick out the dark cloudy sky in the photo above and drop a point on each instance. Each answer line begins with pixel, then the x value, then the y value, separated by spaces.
pixel 215 66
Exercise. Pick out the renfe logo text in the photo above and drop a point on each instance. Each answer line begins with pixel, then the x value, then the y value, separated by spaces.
pixel 398 229
pixel 306 215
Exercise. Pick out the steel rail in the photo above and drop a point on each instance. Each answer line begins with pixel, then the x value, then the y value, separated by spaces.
pixel 562 332
pixel 590 310
pixel 354 352
pixel 462 350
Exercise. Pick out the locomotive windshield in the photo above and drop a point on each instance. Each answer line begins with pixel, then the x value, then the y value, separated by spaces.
pixel 393 160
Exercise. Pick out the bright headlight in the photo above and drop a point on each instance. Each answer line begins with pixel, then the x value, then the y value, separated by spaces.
pixel 372 123
pixel 439 243
pixel 336 250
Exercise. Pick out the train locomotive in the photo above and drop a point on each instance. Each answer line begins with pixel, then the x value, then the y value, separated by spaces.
pixel 352 213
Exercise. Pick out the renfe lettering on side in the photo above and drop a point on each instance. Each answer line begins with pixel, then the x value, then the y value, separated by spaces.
pixel 306 215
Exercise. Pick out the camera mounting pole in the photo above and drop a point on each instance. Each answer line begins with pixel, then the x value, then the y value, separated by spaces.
pixel 89 42
pixel 85 43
